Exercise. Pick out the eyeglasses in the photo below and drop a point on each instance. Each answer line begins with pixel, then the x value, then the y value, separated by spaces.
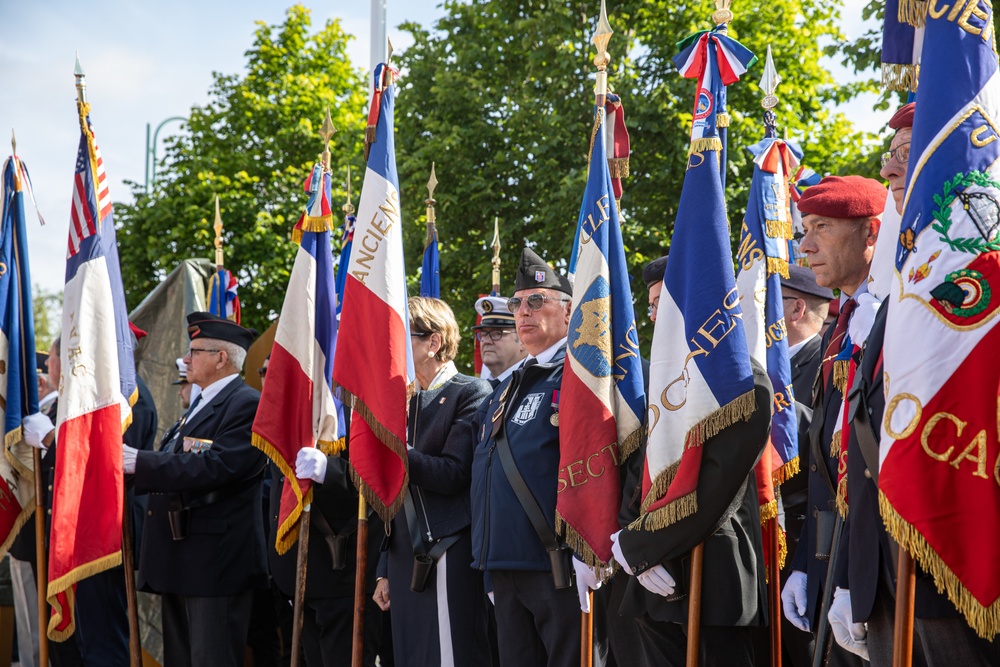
pixel 535 301
pixel 195 350
pixel 420 334
pixel 653 307
pixel 493 334
pixel 901 153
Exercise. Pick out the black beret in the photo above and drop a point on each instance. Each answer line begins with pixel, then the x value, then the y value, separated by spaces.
pixel 803 280
pixel 207 325
pixel 653 273
pixel 41 361
pixel 536 272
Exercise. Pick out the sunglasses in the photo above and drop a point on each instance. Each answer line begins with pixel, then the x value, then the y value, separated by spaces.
pixel 535 302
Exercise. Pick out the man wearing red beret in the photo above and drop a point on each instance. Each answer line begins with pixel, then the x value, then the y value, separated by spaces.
pixel 841 219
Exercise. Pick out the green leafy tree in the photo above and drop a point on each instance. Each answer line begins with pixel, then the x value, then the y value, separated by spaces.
pixel 500 96
pixel 48 316
pixel 253 144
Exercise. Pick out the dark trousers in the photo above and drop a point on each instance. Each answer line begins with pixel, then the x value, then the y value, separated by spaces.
pixel 537 624
pixel 263 637
pixel 622 631
pixel 198 632
pixel 102 619
pixel 665 645
pixel 327 630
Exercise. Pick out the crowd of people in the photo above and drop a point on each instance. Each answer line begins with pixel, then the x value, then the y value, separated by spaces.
pixel 471 570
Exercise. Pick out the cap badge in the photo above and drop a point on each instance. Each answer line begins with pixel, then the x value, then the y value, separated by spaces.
pixel 539 276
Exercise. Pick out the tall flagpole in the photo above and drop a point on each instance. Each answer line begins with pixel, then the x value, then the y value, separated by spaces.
pixel 379 36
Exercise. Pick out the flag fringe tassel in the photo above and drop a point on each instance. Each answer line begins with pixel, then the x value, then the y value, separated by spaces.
pixel 287 533
pixel 841 368
pixel 723 120
pixel 577 543
pixel 779 229
pixel 985 620
pixel 777 265
pixel 835 444
pixel 310 223
pixel 786 471
pixel 913 12
pixel 64 584
pixel 842 507
pixel 900 77
pixel 740 408
pixel 705 144
pixel 631 443
pixel 618 167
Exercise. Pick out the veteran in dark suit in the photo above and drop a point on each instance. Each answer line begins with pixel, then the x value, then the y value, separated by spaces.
pixel 203 539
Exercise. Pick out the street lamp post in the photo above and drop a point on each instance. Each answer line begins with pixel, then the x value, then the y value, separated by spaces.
pixel 151 150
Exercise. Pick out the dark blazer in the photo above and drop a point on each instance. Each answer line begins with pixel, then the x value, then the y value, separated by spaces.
pixel 727 521
pixel 865 553
pixel 223 553
pixel 820 497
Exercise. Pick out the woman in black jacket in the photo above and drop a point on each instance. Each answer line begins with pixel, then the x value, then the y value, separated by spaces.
pixel 438 605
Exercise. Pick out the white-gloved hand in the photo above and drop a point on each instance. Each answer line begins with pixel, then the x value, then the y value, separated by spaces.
pixel 616 550
pixel 657 580
pixel 586 580
pixel 850 635
pixel 492 599
pixel 863 318
pixel 794 600
pixel 129 455
pixel 35 427
pixel 310 463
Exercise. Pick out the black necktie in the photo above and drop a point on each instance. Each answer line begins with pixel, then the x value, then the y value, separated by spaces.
pixel 530 362
pixel 170 446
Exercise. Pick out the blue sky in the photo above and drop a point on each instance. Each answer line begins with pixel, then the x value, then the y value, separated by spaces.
pixel 148 61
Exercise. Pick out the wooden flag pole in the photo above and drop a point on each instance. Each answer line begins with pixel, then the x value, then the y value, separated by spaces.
pixel 301 567
pixel 360 577
pixel 128 566
pixel 774 592
pixel 587 634
pixel 694 606
pixel 906 581
pixel 42 567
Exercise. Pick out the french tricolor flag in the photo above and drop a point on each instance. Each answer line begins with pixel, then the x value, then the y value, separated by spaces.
pixel 374 365
pixel 297 406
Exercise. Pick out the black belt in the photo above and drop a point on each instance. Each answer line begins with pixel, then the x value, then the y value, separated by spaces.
pixel 225 492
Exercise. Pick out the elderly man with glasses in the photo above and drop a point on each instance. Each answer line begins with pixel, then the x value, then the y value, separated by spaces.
pixel 515 478
pixel 499 345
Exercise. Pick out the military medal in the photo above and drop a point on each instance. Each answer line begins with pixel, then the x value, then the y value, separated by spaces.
pixel 554 419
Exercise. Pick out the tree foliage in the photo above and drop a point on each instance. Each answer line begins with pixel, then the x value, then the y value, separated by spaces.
pixel 253 145
pixel 47 307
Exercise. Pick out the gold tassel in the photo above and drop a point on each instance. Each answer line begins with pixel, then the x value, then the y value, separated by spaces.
pixel 739 409
pixel 576 542
pixel 782 549
pixel 65 583
pixel 669 514
pixel 842 496
pixel 785 472
pixel 370 133
pixel 631 443
pixel 779 229
pixel 835 444
pixel 841 368
pixel 768 511
pixel 777 265
pixel 705 144
pixel 723 120
pixel 913 12
pixel 985 620
pixel 618 167
pixel 900 77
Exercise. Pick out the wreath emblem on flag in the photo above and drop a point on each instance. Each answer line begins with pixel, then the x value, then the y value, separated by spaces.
pixel 982 207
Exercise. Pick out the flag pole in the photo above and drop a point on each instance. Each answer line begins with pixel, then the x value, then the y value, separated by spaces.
pixel 218 290
pixel 41 559
pixel 906 581
pixel 128 565
pixel 360 577
pixel 694 606
pixel 602 35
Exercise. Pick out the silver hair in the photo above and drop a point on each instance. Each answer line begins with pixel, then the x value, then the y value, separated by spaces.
pixel 237 355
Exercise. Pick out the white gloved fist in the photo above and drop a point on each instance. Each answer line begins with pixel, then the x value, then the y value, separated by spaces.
pixel 586 580
pixel 616 550
pixel 310 463
pixel 129 455
pixel 863 318
pixel 657 580
pixel 794 600
pixel 35 427
pixel 850 635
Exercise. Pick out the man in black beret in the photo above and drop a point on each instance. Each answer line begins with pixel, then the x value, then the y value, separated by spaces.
pixel 203 539
pixel 652 275
pixel 514 480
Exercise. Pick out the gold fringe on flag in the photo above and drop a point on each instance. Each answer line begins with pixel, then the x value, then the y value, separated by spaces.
pixel 287 533
pixel 842 496
pixel 631 443
pixel 576 542
pixel 900 77
pixel 841 368
pixel 323 223
pixel 785 472
pixel 768 511
pixel 618 167
pixel 779 228
pixel 777 265
pixel 705 144
pixel 370 133
pixel 66 584
pixel 985 620
pixel 835 444
pixel 723 120
pixel 739 409
pixel 913 12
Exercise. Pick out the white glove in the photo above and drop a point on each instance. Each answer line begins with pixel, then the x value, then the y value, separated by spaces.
pixel 586 580
pixel 492 599
pixel 310 463
pixel 850 635
pixel 794 600
pixel 657 580
pixel 616 549
pixel 35 427
pixel 863 318
pixel 128 459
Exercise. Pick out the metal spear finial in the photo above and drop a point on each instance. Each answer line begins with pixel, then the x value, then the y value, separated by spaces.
pixel 326 131
pixel 388 58
pixel 601 38
pixel 722 13
pixel 348 208
pixel 496 255
pixel 219 261
pixel 13 142
pixel 81 80
pixel 768 84
pixel 431 217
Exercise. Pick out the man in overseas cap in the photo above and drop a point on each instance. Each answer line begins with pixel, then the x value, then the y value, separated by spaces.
pixel 514 481
pixel 841 219
pixel 499 345
pixel 203 540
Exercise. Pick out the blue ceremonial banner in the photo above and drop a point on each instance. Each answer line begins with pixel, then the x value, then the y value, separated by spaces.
pixel 700 373
pixel 430 275
pixel 346 240
pixel 937 481
pixel 17 353
pixel 603 400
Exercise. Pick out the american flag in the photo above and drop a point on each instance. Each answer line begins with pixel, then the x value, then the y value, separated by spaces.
pixel 82 217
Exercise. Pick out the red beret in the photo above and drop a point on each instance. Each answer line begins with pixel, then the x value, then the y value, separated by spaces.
pixel 139 333
pixel 903 117
pixel 844 197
